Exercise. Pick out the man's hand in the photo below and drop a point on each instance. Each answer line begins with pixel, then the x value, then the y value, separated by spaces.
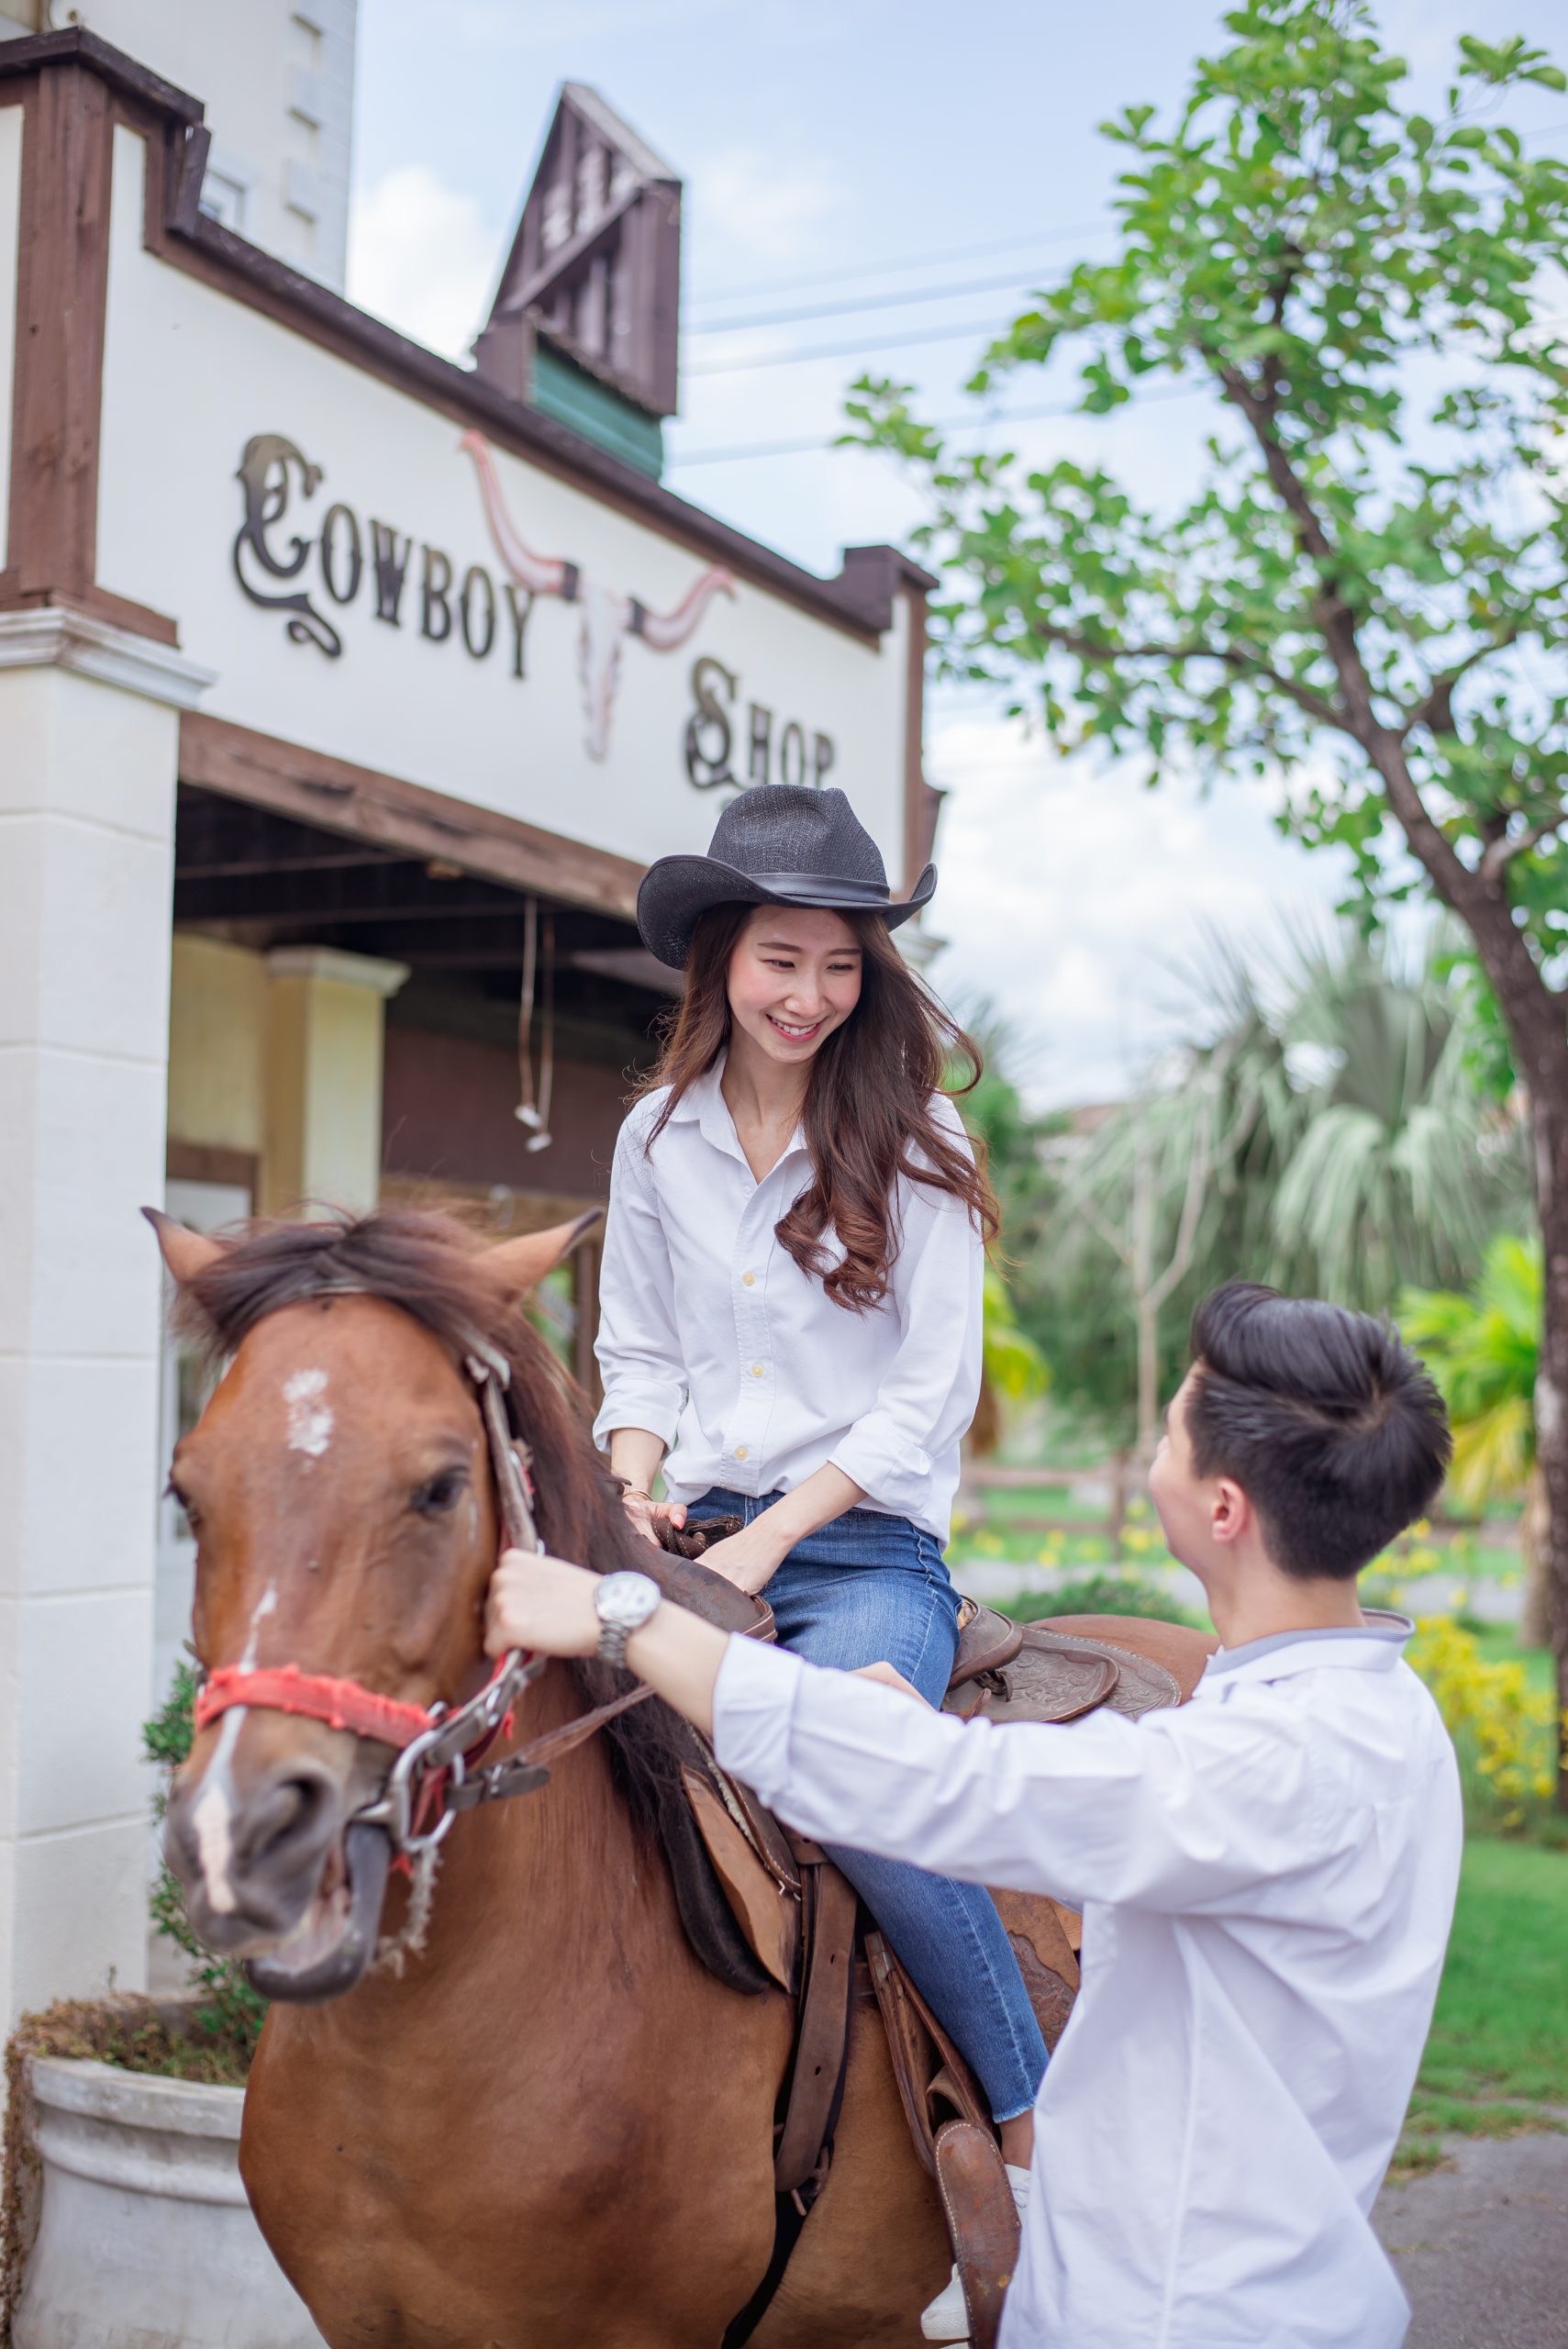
pixel 886 1677
pixel 541 1604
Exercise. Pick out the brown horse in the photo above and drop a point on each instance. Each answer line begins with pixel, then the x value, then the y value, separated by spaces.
pixel 554 2128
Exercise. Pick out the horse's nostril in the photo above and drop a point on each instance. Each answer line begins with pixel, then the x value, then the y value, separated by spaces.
pixel 288 1820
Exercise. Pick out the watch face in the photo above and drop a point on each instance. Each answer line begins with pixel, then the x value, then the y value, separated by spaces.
pixel 627 1598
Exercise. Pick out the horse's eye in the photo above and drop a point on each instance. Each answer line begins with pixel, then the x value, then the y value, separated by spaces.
pixel 441 1493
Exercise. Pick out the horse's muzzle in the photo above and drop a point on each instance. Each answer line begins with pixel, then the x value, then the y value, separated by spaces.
pixel 306 1977
pixel 250 1861
pixel 267 1873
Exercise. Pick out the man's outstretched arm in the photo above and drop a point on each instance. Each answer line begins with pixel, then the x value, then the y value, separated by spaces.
pixel 1166 1812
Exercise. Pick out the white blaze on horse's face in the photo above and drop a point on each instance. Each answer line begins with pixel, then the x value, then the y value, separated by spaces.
pixel 212 1812
pixel 310 1422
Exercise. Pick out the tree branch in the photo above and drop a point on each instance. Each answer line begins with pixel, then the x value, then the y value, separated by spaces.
pixel 1451 878
pixel 1435 709
pixel 1246 663
pixel 1120 1249
pixel 1520 844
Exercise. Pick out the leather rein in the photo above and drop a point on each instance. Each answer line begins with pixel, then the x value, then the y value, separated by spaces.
pixel 437 1773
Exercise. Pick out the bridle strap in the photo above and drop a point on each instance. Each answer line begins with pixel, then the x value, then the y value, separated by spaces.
pixel 313 1696
pixel 491 1375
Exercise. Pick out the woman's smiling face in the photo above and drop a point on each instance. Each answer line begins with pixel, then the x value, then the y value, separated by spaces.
pixel 795 975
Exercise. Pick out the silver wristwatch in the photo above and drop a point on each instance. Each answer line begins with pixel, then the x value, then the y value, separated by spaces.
pixel 624 1602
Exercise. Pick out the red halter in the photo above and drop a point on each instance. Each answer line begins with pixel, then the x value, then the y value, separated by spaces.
pixel 341 1704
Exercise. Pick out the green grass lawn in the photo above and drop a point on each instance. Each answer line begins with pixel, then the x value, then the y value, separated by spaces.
pixel 1005 1503
pixel 1498 2049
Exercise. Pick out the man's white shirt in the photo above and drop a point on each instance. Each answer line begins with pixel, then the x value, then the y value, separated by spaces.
pixel 712 1337
pixel 1267 1879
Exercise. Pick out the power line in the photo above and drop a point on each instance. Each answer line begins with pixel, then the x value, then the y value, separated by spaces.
pixel 1056 236
pixel 731 451
pixel 889 268
pixel 977 327
pixel 886 301
pixel 870 302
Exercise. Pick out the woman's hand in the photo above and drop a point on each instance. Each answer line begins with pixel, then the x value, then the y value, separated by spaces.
pixel 751 1558
pixel 647 1515
pixel 541 1604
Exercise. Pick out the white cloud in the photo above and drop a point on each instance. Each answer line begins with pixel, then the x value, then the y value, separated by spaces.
pixel 1075 897
pixel 748 208
pixel 423 256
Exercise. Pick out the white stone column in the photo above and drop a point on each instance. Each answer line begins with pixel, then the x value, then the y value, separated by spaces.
pixel 87 776
pixel 326 1035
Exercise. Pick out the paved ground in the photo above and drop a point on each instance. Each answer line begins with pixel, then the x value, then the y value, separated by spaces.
pixel 1481 2248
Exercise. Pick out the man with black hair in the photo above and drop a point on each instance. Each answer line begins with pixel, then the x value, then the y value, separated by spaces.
pixel 1267 1875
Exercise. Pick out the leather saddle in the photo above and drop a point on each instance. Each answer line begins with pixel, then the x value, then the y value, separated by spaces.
pixel 802 1922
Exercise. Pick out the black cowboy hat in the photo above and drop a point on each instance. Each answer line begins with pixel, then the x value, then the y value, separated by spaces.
pixel 777 844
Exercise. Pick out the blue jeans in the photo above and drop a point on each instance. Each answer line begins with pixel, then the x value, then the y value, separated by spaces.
pixel 870 1588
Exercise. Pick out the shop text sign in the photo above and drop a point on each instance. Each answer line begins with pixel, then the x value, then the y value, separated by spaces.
pixel 314 563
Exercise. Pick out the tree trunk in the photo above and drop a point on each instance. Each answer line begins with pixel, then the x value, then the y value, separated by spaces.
pixel 1535 1617
pixel 1552 1389
pixel 1537 1028
pixel 1121 1467
pixel 1147 1380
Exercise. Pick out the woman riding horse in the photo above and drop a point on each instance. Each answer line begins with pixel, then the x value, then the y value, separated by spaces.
pixel 791 1316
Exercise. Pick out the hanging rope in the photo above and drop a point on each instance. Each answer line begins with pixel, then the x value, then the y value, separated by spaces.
pixel 533 1110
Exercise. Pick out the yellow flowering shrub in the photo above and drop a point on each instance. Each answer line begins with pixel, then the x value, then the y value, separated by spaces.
pixel 1506 1731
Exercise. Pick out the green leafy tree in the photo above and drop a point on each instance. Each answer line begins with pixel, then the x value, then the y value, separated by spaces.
pixel 1368 588
pixel 1483 1349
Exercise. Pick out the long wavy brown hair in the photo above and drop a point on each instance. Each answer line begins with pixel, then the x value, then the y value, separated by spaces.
pixel 867 1114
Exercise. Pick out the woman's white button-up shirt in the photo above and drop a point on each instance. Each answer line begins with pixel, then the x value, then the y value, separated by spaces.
pixel 713 1338
pixel 1267 1880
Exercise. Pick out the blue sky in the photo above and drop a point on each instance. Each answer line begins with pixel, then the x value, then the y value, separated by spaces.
pixel 818 138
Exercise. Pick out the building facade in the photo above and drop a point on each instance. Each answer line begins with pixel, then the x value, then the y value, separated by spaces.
pixel 344 695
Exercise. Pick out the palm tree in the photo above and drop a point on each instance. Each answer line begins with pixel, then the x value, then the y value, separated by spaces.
pixel 1323 1133
pixel 1395 1173
pixel 1483 1350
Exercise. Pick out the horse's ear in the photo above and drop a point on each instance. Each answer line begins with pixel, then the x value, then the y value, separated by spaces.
pixel 516 1266
pixel 185 1253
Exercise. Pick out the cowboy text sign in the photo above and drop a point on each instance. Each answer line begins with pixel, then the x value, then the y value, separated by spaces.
pixel 347 560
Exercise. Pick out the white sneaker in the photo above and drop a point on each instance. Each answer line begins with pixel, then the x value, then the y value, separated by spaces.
pixel 947 2319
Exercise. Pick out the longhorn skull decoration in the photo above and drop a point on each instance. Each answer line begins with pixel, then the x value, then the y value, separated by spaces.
pixel 608 618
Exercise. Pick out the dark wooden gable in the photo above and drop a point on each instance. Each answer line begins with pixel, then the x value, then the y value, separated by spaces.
pixel 595 269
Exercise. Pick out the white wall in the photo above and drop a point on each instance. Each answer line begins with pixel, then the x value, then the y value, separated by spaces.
pixel 86 845
pixel 276 78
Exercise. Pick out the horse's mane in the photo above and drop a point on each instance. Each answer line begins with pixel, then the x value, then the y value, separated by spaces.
pixel 432 1264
